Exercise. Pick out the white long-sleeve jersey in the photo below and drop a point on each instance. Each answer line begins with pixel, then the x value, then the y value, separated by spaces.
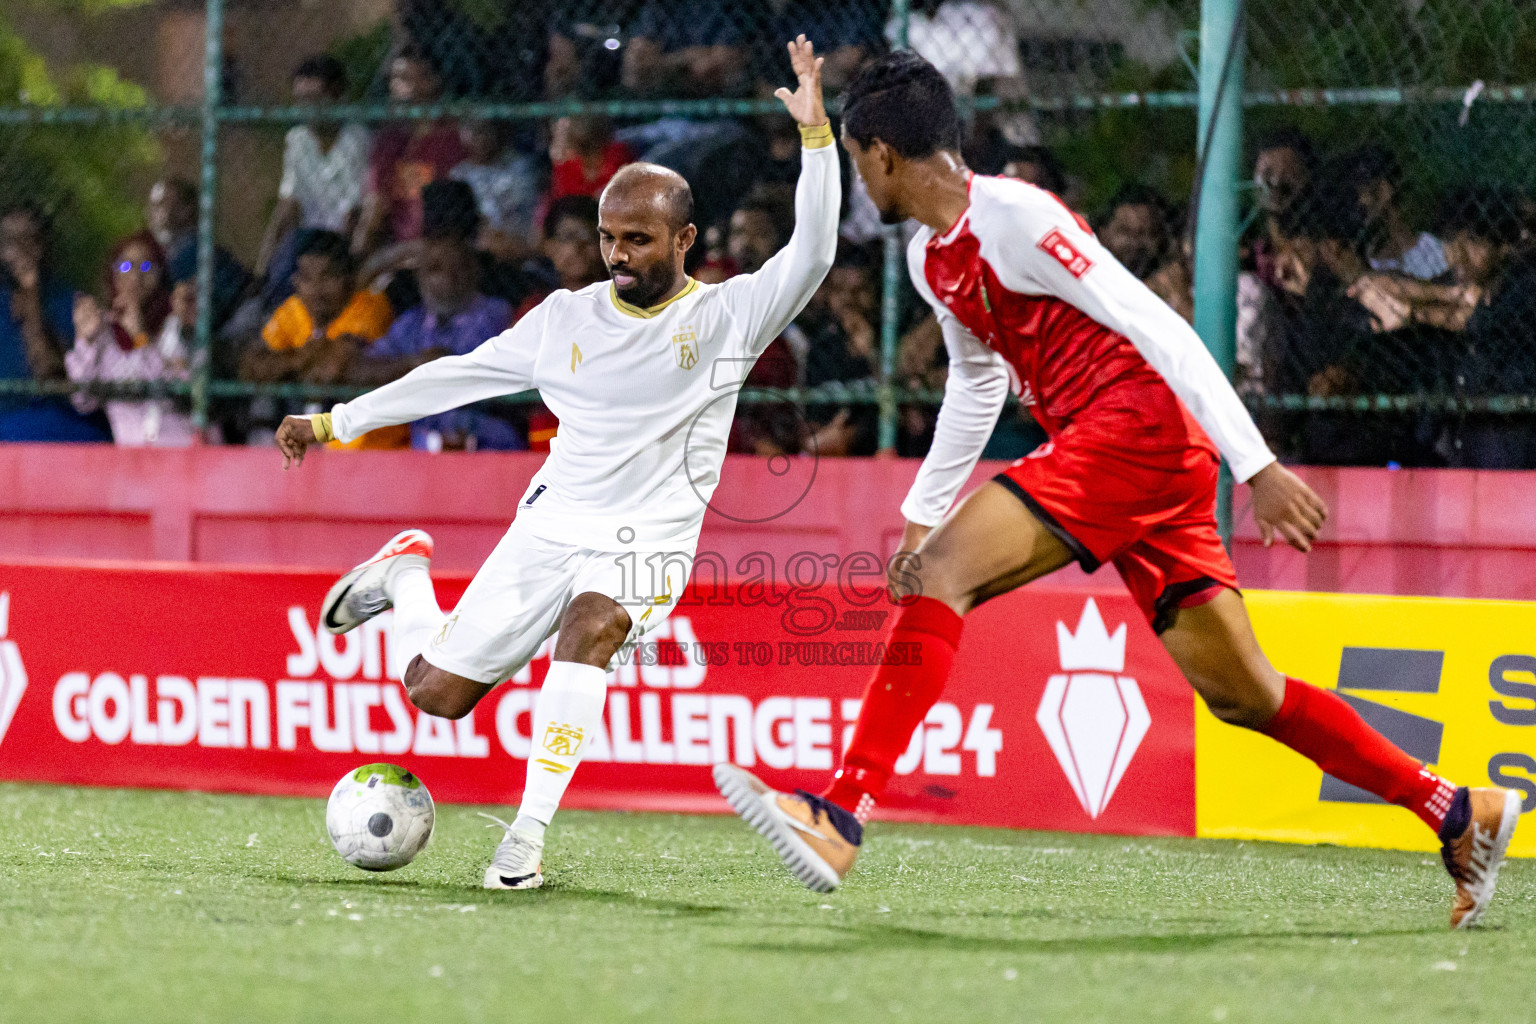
pixel 645 397
pixel 1027 298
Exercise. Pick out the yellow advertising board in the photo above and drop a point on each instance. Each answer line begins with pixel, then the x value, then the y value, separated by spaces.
pixel 1453 682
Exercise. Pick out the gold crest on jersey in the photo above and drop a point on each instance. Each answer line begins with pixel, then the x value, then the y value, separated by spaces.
pixel 685 344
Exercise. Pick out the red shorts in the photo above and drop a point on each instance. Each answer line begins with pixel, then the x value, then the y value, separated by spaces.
pixel 1151 513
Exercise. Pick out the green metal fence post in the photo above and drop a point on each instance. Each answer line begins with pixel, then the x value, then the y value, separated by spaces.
pixel 1220 140
pixel 890 297
pixel 213 80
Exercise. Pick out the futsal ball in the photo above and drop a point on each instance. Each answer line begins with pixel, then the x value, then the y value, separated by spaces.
pixel 379 817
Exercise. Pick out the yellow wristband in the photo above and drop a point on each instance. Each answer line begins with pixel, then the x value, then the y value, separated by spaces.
pixel 320 423
pixel 816 136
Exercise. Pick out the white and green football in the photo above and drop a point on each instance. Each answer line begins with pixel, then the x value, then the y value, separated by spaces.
pixel 379 817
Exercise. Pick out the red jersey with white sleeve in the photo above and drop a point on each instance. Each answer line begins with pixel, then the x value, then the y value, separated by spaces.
pixel 1135 407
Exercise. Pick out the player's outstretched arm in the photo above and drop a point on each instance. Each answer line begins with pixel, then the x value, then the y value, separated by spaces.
pixel 501 366
pixel 765 302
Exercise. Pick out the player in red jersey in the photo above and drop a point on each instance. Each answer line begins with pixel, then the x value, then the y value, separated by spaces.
pixel 1136 411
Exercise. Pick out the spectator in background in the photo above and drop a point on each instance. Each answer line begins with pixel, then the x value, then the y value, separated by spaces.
pixel 1282 173
pixel 454 318
pixel 1390 244
pixel 584 156
pixel 922 364
pixel 1135 229
pixel 974 45
pixel 1174 280
pixel 507 186
pixel 570 247
pixel 139 338
pixel 760 226
pixel 1318 265
pixel 971 42
pixel 316 334
pixel 35 317
pixel 584 48
pixel 841 325
pixel 845 34
pixel 688 48
pixel 406 157
pixel 492 50
pixel 779 161
pixel 1483 229
pixel 1036 165
pixel 1495 268
pixel 172 218
pixel 325 165
pixel 1331 344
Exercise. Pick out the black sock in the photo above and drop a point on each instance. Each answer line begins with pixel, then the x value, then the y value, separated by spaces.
pixel 1458 817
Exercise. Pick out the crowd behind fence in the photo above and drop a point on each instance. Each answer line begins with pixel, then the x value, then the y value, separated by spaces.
pixel 214 216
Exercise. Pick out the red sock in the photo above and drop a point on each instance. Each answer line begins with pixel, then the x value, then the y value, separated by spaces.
pixel 919 653
pixel 1319 725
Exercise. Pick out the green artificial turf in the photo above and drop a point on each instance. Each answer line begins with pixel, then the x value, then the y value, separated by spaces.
pixel 150 906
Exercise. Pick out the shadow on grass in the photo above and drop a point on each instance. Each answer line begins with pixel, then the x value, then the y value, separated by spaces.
pixel 681 908
pixel 864 938
pixel 371 881
pixel 549 894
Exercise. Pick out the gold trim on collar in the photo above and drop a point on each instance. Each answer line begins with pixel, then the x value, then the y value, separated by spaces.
pixel 645 314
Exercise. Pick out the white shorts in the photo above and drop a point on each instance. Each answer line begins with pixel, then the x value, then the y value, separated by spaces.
pixel 519 595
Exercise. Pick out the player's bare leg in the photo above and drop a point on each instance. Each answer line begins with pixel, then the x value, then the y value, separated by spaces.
pixel 1214 646
pixel 569 709
pixel 989 544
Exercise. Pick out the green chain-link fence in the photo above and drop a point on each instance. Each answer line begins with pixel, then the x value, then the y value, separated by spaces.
pixel 1365 122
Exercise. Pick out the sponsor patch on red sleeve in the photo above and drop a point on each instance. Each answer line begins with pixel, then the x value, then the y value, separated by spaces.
pixel 1064 252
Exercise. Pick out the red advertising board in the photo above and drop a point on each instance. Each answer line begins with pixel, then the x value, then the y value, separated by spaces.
pixel 1063 711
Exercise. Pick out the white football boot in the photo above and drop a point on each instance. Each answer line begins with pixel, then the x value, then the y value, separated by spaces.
pixel 364 591
pixel 518 859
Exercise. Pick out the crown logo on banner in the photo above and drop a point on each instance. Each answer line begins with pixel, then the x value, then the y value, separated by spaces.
pixel 1093 717
pixel 13 674
pixel 1091 648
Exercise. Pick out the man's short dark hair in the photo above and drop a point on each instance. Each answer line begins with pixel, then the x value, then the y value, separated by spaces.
pixel 776 202
pixel 1330 210
pixel 1288 138
pixel 330 72
pixel 581 208
pixel 329 246
pixel 449 210
pixel 905 102
pixel 1371 163
pixel 1136 194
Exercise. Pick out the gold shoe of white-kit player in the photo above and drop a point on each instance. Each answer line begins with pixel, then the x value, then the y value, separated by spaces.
pixel 364 591
pixel 1473 858
pixel 817 840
